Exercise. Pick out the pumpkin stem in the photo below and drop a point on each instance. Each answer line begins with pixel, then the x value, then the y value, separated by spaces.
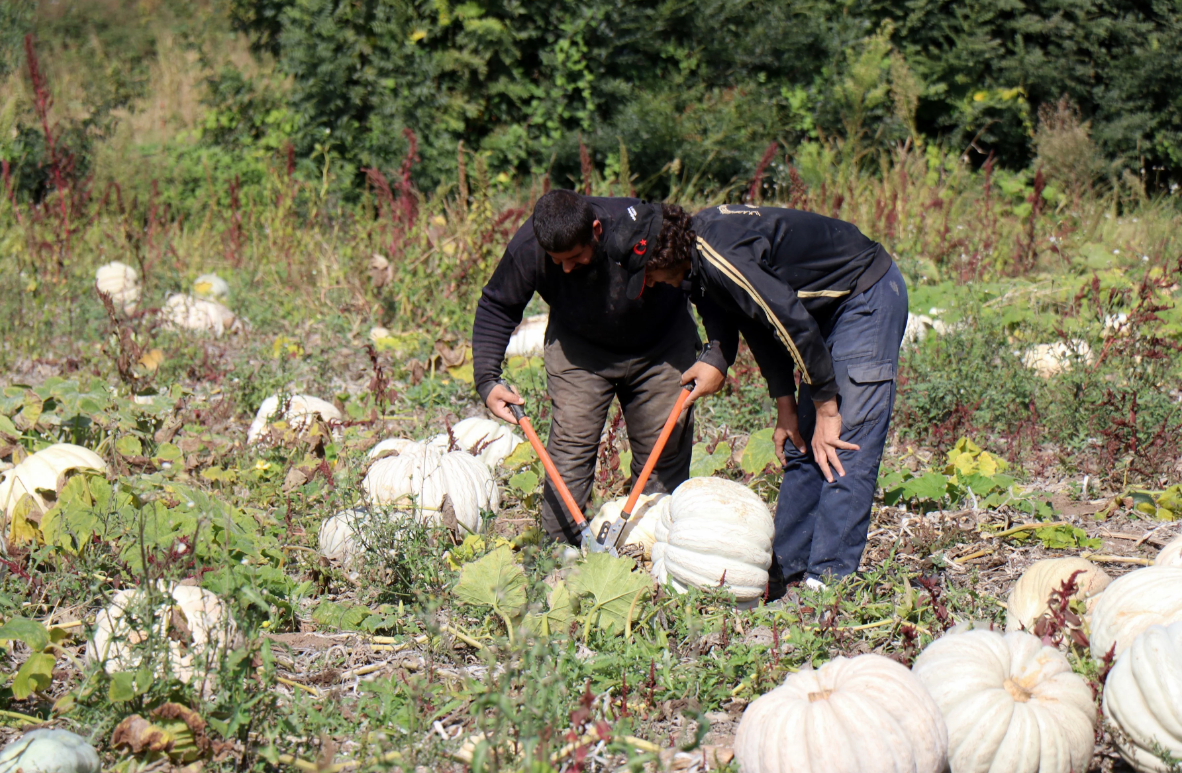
pixel 819 695
pixel 1017 691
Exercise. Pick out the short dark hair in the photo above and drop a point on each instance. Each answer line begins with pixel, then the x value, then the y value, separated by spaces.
pixel 676 240
pixel 563 221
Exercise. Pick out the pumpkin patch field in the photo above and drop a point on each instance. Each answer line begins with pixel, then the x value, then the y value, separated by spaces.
pixel 254 517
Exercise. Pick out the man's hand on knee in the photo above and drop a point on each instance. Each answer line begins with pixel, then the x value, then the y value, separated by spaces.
pixel 707 380
pixel 499 400
pixel 827 439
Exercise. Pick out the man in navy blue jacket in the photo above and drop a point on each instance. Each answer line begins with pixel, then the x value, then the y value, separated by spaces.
pixel 816 301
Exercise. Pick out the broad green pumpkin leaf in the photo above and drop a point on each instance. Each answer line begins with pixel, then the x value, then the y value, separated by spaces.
pixel 525 481
pixel 1171 498
pixel 556 619
pixel 496 581
pixel 615 590
pixel 167 452
pixel 8 429
pixel 25 518
pixel 24 630
pixel 703 464
pixel 122 687
pixel 522 455
pixel 129 445
pixel 342 616
pixel 932 485
pixel 759 453
pixel 35 675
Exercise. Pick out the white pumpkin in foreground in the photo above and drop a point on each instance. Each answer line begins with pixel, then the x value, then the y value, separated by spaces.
pixel 1171 554
pixel 301 410
pixel 867 714
pixel 42 470
pixel 198 314
pixel 1030 595
pixel 715 532
pixel 121 282
pixel 421 475
pixel 211 286
pixel 641 528
pixel 1149 596
pixel 489 441
pixel 1011 703
pixel 339 536
pixel 529 338
pixel 47 750
pixel 130 623
pixel 1143 699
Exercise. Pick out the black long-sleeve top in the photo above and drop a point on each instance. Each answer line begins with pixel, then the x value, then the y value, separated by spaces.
pixel 589 302
pixel 771 274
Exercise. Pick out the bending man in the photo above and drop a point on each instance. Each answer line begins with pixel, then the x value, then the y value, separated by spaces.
pixel 814 296
pixel 601 341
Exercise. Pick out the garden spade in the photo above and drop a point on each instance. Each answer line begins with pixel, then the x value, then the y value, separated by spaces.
pixel 587 540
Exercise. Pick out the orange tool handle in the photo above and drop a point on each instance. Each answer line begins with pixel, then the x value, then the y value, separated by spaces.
pixel 655 456
pixel 548 464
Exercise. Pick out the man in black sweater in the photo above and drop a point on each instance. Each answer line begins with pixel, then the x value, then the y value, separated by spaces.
pixel 814 298
pixel 601 342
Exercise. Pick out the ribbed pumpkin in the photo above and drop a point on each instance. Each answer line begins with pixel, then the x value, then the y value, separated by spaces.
pixel 489 441
pixel 421 474
pixel 1149 596
pixel 129 621
pixel 715 532
pixel 211 286
pixel 42 470
pixel 48 750
pixel 1011 703
pixel 1029 596
pixel 301 410
pixel 867 714
pixel 1143 698
pixel 338 536
pixel 529 339
pixel 198 314
pixel 1171 554
pixel 121 282
pixel 641 528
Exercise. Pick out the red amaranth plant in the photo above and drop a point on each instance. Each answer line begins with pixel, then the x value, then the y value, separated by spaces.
pixel 755 192
pixel 403 208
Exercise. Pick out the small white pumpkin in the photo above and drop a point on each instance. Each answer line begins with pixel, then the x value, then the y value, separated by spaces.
pixel 641 528
pixel 420 473
pixel 339 536
pixel 1132 603
pixel 1143 698
pixel 48 750
pixel 1031 593
pixel 867 714
pixel 129 621
pixel 198 314
pixel 1011 703
pixel 211 286
pixel 529 338
pixel 301 410
pixel 715 532
pixel 489 441
pixel 1171 554
pixel 1052 359
pixel 42 471
pixel 121 282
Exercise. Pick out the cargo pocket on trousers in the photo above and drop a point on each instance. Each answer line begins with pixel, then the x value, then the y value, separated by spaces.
pixel 868 395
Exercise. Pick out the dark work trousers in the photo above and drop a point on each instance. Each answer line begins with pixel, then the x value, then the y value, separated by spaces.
pixel 821 527
pixel 582 378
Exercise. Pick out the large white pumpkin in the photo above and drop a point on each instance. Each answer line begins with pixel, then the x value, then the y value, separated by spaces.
pixel 1052 359
pixel 1149 596
pixel 421 474
pixel 301 411
pixel 1171 554
pixel 489 441
pixel 211 286
pixel 48 750
pixel 867 714
pixel 123 629
pixel 1143 698
pixel 42 471
pixel 339 536
pixel 529 339
pixel 715 532
pixel 121 282
pixel 198 314
pixel 1030 594
pixel 641 528
pixel 1011 704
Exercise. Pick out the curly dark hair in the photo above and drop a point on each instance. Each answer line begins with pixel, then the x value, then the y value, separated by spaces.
pixel 676 239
